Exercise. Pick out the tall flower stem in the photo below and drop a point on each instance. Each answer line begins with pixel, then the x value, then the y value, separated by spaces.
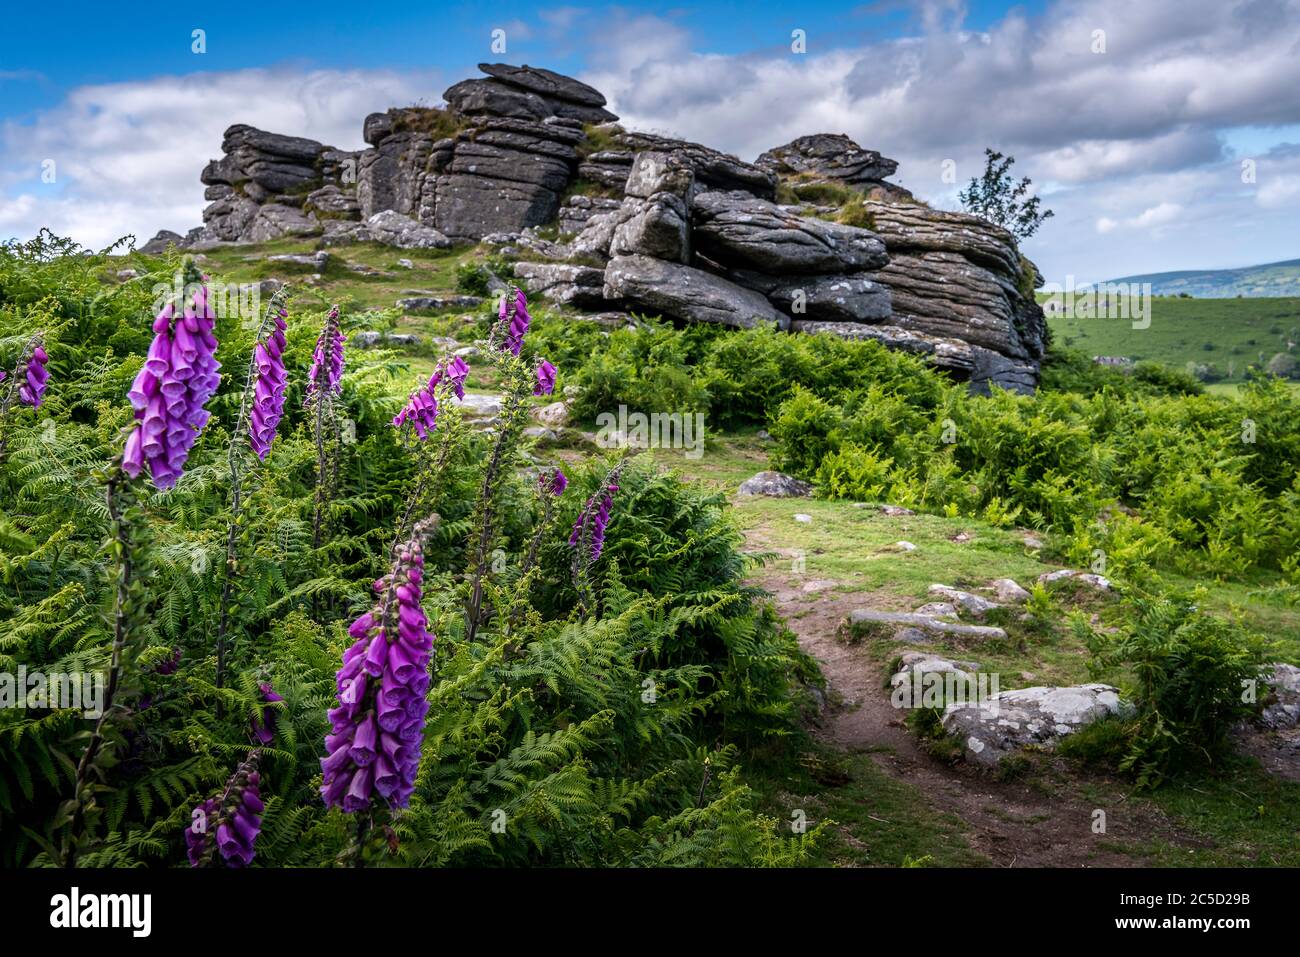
pixel 235 458
pixel 322 388
pixel 117 495
pixel 589 534
pixel 513 416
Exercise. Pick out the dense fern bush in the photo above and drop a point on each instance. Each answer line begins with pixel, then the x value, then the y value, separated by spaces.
pixel 1143 467
pixel 592 658
pixel 1196 676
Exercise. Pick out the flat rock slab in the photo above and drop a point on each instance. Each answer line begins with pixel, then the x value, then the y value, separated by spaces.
pixel 974 604
pixel 1011 720
pixel 685 292
pixel 480 405
pixel 864 620
pixel 417 303
pixel 1099 582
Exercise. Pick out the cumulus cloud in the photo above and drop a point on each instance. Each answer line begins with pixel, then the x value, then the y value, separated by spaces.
pixel 127 155
pixel 1114 108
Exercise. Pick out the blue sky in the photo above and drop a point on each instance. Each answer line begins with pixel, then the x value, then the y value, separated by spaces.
pixel 1138 147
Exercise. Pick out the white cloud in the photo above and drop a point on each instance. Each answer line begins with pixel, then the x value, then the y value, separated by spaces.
pixel 128 155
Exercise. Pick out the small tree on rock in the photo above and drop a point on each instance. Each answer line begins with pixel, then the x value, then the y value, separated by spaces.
pixel 997 197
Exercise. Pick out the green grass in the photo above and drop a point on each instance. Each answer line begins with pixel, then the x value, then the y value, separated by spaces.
pixel 879 821
pixel 1230 333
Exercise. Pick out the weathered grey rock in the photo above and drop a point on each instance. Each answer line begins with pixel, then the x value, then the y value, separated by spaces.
pixel 775 485
pixel 394 174
pixel 394 229
pixel 971 603
pixel 654 219
pixel 563 283
pixel 1282 708
pixel 895 510
pixel 857 298
pixel 339 232
pixel 1098 582
pixel 525 92
pixel 914 663
pixel 469 206
pixel 546 83
pixel 274 221
pixel 1010 720
pixel 577 211
pixel 738 230
pixel 938 609
pixel 686 293
pixel 952 354
pixel 1009 591
pixel 332 201
pixel 862 620
pixel 478 405
pixel 834 158
pixel 555 415
pixel 161 240
pixel 594 241
pixel 317 261
pixel 429 303
pixel 714 170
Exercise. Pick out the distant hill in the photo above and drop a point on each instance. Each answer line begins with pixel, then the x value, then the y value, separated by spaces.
pixel 1271 279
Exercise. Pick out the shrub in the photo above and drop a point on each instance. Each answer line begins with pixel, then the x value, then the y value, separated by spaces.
pixel 1190 670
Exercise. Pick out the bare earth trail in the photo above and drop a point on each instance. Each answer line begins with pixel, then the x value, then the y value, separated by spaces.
pixel 1045 822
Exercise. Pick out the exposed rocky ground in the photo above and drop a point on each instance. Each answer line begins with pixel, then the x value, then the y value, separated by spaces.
pixel 810 237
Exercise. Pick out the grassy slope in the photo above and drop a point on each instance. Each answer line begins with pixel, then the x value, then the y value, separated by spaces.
pixel 1268 279
pixel 883 821
pixel 1240 332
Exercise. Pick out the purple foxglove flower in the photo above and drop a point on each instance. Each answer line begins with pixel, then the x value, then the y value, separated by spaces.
pixel 268 392
pixel 179 376
pixel 237 833
pixel 231 823
pixel 552 483
pixel 377 729
pixel 199 832
pixel 596 511
pixel 264 729
pixel 168 666
pixel 545 379
pixel 327 360
pixel 422 408
pixel 457 372
pixel 31 391
pixel 516 311
pixel 421 411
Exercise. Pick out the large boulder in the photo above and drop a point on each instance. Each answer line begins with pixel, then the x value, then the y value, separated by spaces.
pixel 735 229
pixel 394 229
pixel 713 169
pixel 276 221
pixel 833 158
pixel 1010 720
pixel 852 298
pixel 563 283
pixel 525 92
pixel 685 292
pixel 655 216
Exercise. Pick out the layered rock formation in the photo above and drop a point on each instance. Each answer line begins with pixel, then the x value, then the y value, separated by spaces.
pixel 648 222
